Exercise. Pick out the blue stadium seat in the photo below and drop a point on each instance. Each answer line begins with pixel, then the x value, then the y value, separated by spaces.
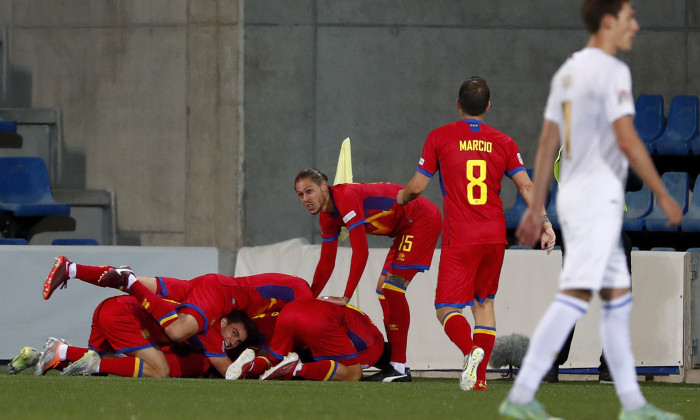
pixel 693 250
pixel 649 118
pixel 514 214
pixel 8 126
pixel 663 248
pixel 74 241
pixel 691 220
pixel 25 188
pixel 694 145
pixel 25 197
pixel 639 204
pixel 677 184
pixel 13 241
pixel 552 207
pixel 681 128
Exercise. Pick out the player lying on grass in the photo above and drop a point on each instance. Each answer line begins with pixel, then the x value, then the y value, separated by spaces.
pixel 203 300
pixel 342 341
pixel 126 341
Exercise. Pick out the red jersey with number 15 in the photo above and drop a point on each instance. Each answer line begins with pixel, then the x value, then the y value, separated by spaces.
pixel 472 158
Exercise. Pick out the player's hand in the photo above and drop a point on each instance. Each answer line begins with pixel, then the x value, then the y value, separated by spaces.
pixel 530 228
pixel 342 301
pixel 672 210
pixel 548 238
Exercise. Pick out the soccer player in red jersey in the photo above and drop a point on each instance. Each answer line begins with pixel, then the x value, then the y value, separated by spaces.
pixel 204 299
pixel 342 341
pixel 126 341
pixel 372 209
pixel 472 158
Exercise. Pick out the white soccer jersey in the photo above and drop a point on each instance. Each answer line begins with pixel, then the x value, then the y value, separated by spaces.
pixel 588 93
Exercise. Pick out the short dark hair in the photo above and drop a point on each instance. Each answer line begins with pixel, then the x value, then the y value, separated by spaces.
pixel 238 316
pixel 592 12
pixel 474 96
pixel 313 174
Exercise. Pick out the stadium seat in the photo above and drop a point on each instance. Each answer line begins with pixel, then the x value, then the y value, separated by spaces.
pixel 691 220
pixel 13 241
pixel 74 241
pixel 639 204
pixel 8 126
pixel 663 248
pixel 694 145
pixel 516 212
pixel 552 207
pixel 681 127
pixel 649 118
pixel 25 195
pixel 693 250
pixel 677 185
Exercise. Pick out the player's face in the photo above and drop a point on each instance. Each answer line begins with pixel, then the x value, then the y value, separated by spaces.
pixel 234 333
pixel 626 27
pixel 311 195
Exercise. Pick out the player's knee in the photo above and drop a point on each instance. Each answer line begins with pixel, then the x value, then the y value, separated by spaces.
pixel 157 370
pixel 396 279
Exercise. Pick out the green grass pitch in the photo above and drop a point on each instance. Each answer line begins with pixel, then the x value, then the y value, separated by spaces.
pixel 25 396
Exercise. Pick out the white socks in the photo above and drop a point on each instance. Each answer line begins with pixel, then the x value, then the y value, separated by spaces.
pixel 132 280
pixel 546 342
pixel 62 351
pixel 400 367
pixel 615 336
pixel 72 270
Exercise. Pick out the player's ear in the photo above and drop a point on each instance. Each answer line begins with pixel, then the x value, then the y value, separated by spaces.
pixel 224 322
pixel 488 106
pixel 607 20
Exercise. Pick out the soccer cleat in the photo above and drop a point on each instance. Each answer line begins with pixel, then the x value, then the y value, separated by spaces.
pixel 58 277
pixel 283 370
pixel 530 411
pixel 49 357
pixel 605 378
pixel 116 278
pixel 241 366
pixel 27 357
pixel 648 412
pixel 389 374
pixel 85 366
pixel 480 385
pixel 471 362
pixel 552 376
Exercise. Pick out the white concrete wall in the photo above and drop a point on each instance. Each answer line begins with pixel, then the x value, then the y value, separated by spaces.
pixel 528 284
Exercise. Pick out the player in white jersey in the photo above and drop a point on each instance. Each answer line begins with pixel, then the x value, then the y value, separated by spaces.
pixel 590 114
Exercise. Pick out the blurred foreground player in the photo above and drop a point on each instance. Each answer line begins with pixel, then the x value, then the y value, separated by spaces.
pixel 589 113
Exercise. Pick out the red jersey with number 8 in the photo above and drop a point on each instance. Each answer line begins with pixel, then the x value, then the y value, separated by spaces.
pixel 472 158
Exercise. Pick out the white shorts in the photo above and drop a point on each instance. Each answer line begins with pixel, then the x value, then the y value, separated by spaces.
pixel 594 257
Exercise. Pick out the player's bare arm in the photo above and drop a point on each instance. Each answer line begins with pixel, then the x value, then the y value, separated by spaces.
pixel 414 188
pixel 525 188
pixel 221 364
pixel 530 228
pixel 639 159
pixel 183 328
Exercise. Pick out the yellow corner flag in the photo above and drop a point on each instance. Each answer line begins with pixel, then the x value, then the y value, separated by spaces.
pixel 343 175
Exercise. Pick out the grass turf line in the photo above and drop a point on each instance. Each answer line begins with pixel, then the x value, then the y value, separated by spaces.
pixel 26 396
